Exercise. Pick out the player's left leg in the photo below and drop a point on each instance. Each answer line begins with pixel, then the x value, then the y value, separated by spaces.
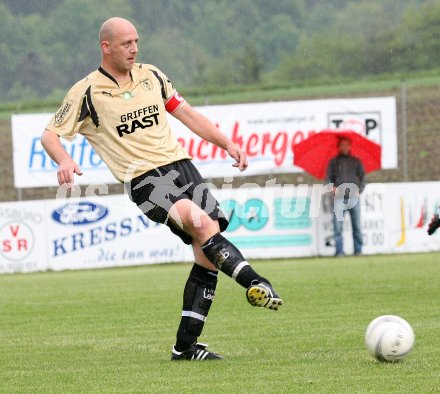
pixel 224 255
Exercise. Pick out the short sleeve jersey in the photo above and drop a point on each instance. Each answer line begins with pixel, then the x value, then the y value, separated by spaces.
pixel 125 123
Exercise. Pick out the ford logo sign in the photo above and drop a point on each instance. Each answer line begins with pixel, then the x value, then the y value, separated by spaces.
pixel 79 213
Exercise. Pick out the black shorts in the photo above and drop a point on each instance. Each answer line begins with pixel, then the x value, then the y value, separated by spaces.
pixel 157 190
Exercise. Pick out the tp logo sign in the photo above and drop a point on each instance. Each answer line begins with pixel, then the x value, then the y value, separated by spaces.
pixel 365 123
pixel 16 241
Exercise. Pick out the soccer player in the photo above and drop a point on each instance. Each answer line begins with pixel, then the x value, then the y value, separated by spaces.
pixel 121 110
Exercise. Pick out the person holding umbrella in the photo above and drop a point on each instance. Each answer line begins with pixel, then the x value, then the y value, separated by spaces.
pixel 342 169
pixel 340 156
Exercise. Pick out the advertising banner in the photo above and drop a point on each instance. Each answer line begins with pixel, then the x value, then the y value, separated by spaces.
pixel 266 131
pixel 107 231
pixel 23 237
pixel 374 223
pixel 394 219
pixel 34 168
pixel 272 222
pixel 111 231
pixel 268 223
pixel 409 209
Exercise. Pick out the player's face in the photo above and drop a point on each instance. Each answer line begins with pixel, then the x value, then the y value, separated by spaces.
pixel 123 49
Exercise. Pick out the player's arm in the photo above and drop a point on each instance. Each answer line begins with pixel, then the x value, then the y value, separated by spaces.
pixel 207 130
pixel 66 123
pixel 66 166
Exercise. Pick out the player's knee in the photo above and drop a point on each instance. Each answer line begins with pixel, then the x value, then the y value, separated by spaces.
pixel 203 227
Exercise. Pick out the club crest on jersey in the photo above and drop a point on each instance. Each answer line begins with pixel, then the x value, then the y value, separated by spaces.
pixel 147 84
pixel 61 114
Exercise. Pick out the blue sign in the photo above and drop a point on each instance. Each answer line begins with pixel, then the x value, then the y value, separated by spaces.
pixel 79 213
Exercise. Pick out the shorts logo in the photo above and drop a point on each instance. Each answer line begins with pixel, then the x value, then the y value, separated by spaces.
pixel 147 84
pixel 61 114
pixel 208 294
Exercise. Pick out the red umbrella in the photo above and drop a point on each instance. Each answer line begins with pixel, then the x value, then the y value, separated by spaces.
pixel 314 153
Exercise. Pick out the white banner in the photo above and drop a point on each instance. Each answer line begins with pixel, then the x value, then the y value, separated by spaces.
pixel 111 231
pixel 394 219
pixel 266 131
pixel 270 222
pixel 107 232
pixel 408 210
pixel 23 239
pixel 34 168
pixel 374 223
pixel 274 222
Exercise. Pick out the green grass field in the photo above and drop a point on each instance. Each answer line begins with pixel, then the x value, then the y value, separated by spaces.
pixel 111 331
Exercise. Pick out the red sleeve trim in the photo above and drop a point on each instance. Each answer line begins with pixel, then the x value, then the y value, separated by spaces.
pixel 174 102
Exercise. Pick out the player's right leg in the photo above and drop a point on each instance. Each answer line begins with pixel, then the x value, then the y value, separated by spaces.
pixel 198 295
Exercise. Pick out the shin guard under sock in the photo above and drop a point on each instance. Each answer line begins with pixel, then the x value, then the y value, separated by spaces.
pixel 228 259
pixel 197 299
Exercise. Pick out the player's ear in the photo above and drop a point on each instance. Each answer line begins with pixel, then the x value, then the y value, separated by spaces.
pixel 105 47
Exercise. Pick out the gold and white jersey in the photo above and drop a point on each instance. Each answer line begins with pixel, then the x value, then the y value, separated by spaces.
pixel 125 122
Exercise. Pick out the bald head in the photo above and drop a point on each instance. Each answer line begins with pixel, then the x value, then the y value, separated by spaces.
pixel 114 27
pixel 119 47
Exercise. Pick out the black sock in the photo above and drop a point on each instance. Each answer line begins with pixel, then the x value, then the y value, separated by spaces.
pixel 197 299
pixel 228 259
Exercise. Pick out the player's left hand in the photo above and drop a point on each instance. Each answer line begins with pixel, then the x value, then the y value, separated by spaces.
pixel 239 155
pixel 434 225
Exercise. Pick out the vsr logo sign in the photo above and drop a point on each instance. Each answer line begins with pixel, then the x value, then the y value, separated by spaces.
pixel 16 241
pixel 79 213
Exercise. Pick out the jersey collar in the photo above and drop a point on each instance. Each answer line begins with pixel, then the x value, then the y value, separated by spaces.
pixel 109 76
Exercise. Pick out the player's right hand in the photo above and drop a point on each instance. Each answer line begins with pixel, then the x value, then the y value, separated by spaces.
pixel 239 155
pixel 65 172
pixel 434 225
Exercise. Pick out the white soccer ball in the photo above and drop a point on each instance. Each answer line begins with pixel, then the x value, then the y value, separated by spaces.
pixel 389 338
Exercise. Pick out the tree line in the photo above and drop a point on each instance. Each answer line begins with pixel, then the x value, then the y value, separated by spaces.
pixel 207 44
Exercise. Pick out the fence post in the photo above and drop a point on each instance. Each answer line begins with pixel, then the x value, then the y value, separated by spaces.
pixel 404 132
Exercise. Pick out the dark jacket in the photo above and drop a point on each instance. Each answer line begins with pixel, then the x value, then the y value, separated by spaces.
pixel 346 169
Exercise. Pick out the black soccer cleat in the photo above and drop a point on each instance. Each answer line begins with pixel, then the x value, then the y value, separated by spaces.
pixel 196 352
pixel 434 224
pixel 263 295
